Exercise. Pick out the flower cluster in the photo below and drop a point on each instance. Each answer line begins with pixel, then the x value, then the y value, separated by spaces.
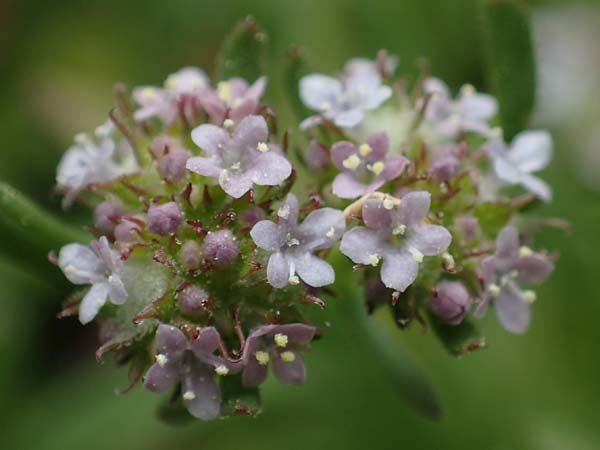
pixel 209 262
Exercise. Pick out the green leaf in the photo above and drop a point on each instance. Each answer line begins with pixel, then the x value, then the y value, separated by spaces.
pixel 459 339
pixel 296 68
pixel 510 61
pixel 237 398
pixel 34 225
pixel 242 52
pixel 493 216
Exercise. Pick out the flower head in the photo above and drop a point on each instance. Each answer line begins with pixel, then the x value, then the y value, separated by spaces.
pixel 504 273
pixel 191 363
pixel 397 234
pixel 529 152
pixel 345 101
pixel 233 99
pixel 292 245
pixel 365 168
pixel 470 111
pixel 279 345
pixel 99 266
pixel 241 158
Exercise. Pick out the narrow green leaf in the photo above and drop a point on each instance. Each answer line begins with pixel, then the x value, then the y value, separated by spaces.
pixel 243 52
pixel 459 339
pixel 510 61
pixel 237 398
pixel 296 68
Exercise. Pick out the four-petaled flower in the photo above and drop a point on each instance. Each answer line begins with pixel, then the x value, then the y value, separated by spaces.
pixel 100 266
pixel 344 101
pixel 504 272
pixel 181 94
pixel 292 244
pixel 191 363
pixel 471 111
pixel 93 161
pixel 278 344
pixel 396 233
pixel 366 168
pixel 233 99
pixel 241 158
pixel 529 152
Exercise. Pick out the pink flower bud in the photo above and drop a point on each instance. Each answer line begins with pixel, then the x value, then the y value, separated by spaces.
pixel 193 299
pixel 164 219
pixel 450 302
pixel 126 231
pixel 220 247
pixel 172 166
pixel 106 216
pixel 162 144
pixel 190 255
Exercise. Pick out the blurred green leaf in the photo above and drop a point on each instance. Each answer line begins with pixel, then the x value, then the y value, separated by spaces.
pixel 510 61
pixel 458 339
pixel 173 412
pixel 243 52
pixel 296 67
pixel 492 216
pixel 239 399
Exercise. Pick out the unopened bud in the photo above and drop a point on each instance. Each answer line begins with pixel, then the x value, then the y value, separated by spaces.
pixel 221 247
pixel 193 299
pixel 172 166
pixel 106 216
pixel 164 219
pixel 450 302
pixel 190 255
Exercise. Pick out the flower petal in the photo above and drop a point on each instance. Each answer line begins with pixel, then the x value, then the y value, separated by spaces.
pixel 322 228
pixel 266 235
pixel 210 138
pixel 297 332
pixel 313 270
pixel 376 216
pixel 414 207
pixel 160 378
pixel 531 150
pixel 293 372
pixel 430 239
pixel 507 243
pixel 250 132
pixel 92 302
pixel 533 269
pixel 235 185
pixel 270 169
pixel 80 264
pixel 170 341
pixel 349 118
pixel 199 381
pixel 207 341
pixel 513 312
pixel 203 166
pixel 340 151
pixel 116 290
pixel 254 373
pixel 478 106
pixel 536 186
pixel 361 244
pixel 278 270
pixel 319 92
pixel 345 185
pixel 399 270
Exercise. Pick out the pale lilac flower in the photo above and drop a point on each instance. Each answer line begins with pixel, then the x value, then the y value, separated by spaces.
pixel 191 363
pixel 530 151
pixel 398 235
pixel 220 247
pixel 181 93
pixel 164 219
pixel 504 272
pixel 471 111
pixel 91 161
pixel 292 245
pixel 100 266
pixel 239 159
pixel 365 168
pixel 278 345
pixel 233 99
pixel 450 301
pixel 344 101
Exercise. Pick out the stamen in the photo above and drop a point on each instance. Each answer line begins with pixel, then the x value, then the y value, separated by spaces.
pixel 351 162
pixel 330 233
pixel 377 167
pixel 525 251
pixel 365 150
pixel 228 123
pixel 529 296
pixel 388 203
pixel 284 211
pixel 416 254
pixel 262 147
pixel 281 340
pixel 189 395
pixel 221 369
pixel 288 357
pixel 399 230
pixel 161 359
pixel 494 290
pixel 224 91
pixel 293 279
pixel 374 259
pixel 262 358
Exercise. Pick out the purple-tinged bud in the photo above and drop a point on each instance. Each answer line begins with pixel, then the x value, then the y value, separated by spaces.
pixel 126 231
pixel 193 299
pixel 252 215
pixel 450 302
pixel 172 166
pixel 162 144
pixel 106 216
pixel 468 227
pixel 316 156
pixel 444 164
pixel 190 255
pixel 220 247
pixel 164 219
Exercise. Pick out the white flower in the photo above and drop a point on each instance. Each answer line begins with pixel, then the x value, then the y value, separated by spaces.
pixel 99 266
pixel 530 151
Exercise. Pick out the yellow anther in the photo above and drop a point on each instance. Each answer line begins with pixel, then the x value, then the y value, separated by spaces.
pixel 529 296
pixel 377 167
pixel 262 147
pixel 416 255
pixel 262 357
pixel 468 89
pixel 494 290
pixel 221 369
pixel 330 233
pixel 374 259
pixel 224 91
pixel 288 357
pixel 351 162
pixel 399 230
pixel 365 149
pixel 148 93
pixel 161 359
pixel 388 203
pixel 284 211
pixel 293 279
pixel 228 123
pixel 525 251
pixel 448 260
pixel 281 340
pixel 189 395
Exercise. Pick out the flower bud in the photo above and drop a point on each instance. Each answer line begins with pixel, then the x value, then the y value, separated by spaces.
pixel 172 166
pixel 193 299
pixel 126 231
pixel 164 219
pixel 468 227
pixel 190 255
pixel 252 215
pixel 220 247
pixel 106 216
pixel 450 302
pixel 444 164
pixel 162 144
pixel 316 156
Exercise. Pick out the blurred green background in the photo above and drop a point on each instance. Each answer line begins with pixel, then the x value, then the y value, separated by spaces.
pixel 58 62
